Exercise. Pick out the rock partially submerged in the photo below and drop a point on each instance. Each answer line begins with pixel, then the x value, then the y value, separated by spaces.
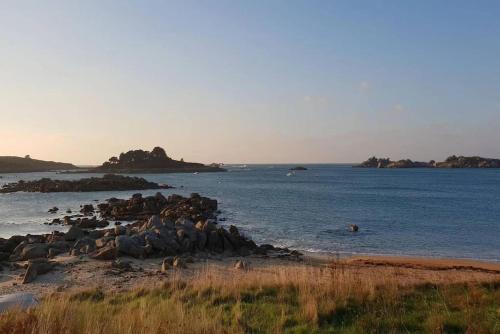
pixel 53 210
pixel 108 182
pixel 298 168
pixel 354 228
pixel 195 207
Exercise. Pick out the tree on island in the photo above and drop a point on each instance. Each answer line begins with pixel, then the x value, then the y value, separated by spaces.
pixel 140 158
pixel 154 161
pixel 114 160
pixel 159 153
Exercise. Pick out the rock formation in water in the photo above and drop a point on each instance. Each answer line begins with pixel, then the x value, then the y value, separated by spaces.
pixel 468 162
pixel 450 162
pixel 108 182
pixel 298 168
pixel 156 161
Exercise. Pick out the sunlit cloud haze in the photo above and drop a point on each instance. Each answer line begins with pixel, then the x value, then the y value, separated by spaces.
pixel 250 81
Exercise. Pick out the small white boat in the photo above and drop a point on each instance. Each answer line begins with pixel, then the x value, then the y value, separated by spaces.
pixel 195 173
pixel 290 174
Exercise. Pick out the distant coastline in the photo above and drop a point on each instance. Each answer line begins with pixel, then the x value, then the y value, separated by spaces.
pixel 450 162
pixel 131 162
pixel 12 164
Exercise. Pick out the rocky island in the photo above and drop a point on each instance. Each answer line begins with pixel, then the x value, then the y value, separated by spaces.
pixel 108 182
pixel 450 162
pixel 298 168
pixel 156 161
pixel 10 164
pixel 468 162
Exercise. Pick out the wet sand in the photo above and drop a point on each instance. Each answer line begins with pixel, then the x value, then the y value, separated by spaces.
pixel 426 263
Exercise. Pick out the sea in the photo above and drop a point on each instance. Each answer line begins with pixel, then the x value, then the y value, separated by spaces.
pixel 412 212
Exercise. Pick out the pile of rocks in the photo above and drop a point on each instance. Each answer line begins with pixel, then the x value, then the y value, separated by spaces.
pixel 108 182
pixel 159 237
pixel 179 226
pixel 195 207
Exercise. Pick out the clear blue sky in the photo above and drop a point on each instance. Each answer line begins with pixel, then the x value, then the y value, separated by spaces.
pixel 250 81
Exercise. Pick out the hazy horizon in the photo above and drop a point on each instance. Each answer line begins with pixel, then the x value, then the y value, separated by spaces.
pixel 250 82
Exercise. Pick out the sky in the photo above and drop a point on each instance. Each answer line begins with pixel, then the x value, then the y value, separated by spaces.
pixel 250 81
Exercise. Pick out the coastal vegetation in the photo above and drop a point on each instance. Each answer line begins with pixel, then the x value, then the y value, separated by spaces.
pixel 281 299
pixel 450 162
pixel 108 182
pixel 156 161
pixel 10 164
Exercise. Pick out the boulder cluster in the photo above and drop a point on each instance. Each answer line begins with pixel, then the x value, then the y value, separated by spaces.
pixel 163 227
pixel 109 182
pixel 195 207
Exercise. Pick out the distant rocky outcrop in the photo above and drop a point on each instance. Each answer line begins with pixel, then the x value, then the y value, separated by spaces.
pixel 108 182
pixel 375 162
pixel 156 161
pixel 298 168
pixel 468 162
pixel 10 164
pixel 450 162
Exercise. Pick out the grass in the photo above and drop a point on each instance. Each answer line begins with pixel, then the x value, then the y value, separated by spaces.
pixel 293 299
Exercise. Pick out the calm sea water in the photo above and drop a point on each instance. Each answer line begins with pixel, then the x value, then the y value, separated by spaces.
pixel 449 213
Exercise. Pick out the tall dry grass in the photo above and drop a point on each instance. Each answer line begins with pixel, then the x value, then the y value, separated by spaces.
pixel 279 299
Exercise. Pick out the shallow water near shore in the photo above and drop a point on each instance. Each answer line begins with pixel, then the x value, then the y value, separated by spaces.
pixel 419 212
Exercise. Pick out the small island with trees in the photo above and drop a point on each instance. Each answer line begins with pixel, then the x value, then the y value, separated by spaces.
pixel 450 162
pixel 156 161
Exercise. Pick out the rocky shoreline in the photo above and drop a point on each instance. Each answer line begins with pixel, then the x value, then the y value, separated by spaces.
pixel 450 162
pixel 108 182
pixel 177 229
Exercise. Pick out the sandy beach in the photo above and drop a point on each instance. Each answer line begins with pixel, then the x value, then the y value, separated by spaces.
pixel 76 273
